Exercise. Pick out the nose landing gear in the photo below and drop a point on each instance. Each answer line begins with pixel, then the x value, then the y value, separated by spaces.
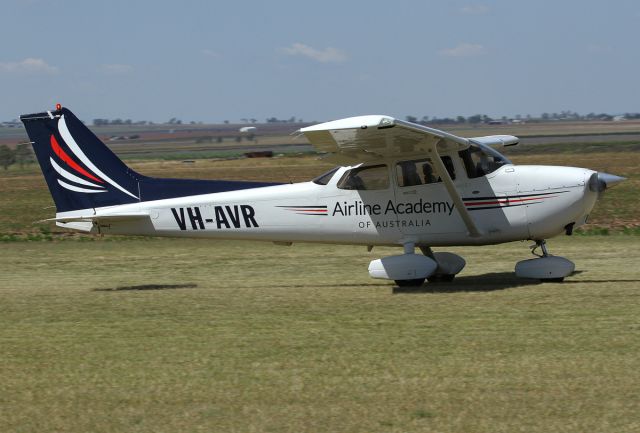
pixel 545 267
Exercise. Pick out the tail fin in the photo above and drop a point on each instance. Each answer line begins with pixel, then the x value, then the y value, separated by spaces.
pixel 80 170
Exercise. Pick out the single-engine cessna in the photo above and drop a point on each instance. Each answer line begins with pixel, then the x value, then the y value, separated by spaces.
pixel 398 184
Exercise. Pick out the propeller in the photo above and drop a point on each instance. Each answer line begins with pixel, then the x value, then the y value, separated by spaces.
pixel 598 182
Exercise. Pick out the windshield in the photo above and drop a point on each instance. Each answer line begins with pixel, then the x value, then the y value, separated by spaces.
pixel 481 160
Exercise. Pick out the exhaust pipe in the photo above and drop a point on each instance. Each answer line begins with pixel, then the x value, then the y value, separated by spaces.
pixel 598 182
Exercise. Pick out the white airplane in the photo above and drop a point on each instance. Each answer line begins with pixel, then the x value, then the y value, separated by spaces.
pixel 398 184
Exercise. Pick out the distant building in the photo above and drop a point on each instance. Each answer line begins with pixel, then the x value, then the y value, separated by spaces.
pixel 12 124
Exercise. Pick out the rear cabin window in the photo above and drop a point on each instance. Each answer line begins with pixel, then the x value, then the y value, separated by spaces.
pixel 478 163
pixel 365 178
pixel 325 178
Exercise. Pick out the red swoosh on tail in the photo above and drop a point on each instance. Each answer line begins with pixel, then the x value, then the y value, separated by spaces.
pixel 70 162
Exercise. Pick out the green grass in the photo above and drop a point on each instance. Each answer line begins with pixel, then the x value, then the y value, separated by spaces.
pixel 183 335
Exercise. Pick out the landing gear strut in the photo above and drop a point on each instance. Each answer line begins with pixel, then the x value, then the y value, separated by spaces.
pixel 545 267
pixel 542 244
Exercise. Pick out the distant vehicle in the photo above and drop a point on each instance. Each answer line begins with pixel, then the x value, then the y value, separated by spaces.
pixel 123 137
pixel 398 184
pixel 248 129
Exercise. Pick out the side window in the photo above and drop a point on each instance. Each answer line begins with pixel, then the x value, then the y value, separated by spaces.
pixel 365 178
pixel 418 172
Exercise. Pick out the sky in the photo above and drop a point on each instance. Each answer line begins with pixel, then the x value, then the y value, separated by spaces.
pixel 211 61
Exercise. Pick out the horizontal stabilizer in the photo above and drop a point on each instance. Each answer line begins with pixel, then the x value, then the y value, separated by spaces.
pixel 99 217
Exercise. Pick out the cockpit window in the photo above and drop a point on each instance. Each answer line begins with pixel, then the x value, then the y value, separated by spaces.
pixel 365 178
pixel 325 178
pixel 478 162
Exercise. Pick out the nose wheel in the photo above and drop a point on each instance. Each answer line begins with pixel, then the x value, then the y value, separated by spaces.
pixel 544 267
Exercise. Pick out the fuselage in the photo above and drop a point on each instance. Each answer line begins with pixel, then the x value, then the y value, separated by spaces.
pixel 509 203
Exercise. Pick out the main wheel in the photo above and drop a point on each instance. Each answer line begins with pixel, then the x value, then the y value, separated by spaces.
pixel 441 278
pixel 410 283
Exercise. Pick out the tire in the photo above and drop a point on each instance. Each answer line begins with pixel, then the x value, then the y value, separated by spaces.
pixel 441 278
pixel 410 283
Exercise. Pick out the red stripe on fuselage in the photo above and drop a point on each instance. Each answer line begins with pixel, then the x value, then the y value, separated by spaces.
pixel 506 201
pixel 70 162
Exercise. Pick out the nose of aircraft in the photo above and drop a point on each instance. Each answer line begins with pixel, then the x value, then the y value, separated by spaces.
pixel 601 181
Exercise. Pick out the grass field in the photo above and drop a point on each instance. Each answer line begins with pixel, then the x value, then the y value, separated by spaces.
pixel 188 336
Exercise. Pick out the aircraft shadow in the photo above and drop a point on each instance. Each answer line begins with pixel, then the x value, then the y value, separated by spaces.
pixel 147 287
pixel 474 283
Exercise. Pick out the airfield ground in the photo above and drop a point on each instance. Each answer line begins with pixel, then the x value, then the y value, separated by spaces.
pixel 161 335
pixel 175 335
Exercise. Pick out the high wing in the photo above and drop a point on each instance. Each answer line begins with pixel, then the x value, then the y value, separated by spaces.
pixel 367 138
pixel 370 138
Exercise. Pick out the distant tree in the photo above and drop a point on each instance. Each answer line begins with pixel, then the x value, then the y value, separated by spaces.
pixel 545 116
pixel 7 156
pixel 226 122
pixel 460 119
pixel 425 119
pixel 23 154
pixel 412 119
pixel 292 119
pixel 244 120
pixel 475 119
pixel 253 120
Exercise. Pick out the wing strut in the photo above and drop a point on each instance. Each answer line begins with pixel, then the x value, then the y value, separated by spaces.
pixel 453 192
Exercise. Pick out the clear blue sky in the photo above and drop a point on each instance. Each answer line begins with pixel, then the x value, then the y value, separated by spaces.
pixel 210 61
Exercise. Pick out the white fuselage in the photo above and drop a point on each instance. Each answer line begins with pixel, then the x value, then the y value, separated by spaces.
pixel 511 203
